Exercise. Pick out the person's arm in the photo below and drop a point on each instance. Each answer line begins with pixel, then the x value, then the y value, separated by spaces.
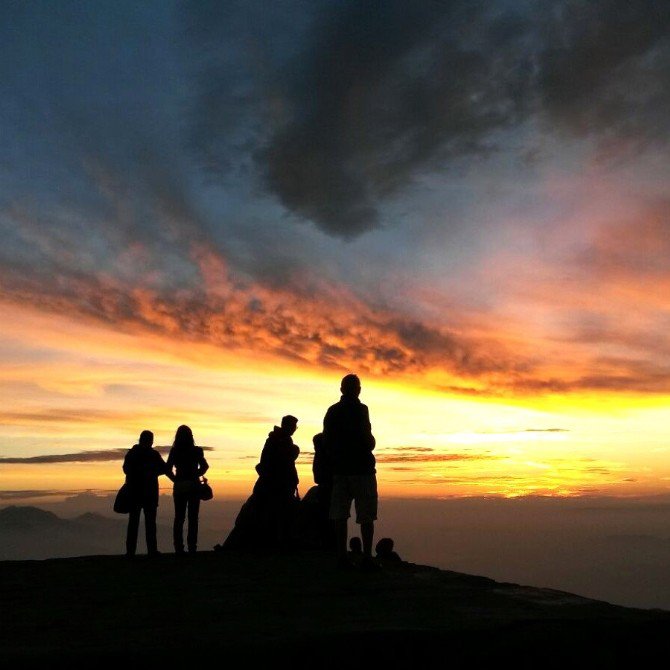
pixel 328 429
pixel 169 466
pixel 162 467
pixel 372 443
pixel 203 465
pixel 265 464
pixel 317 461
pixel 126 465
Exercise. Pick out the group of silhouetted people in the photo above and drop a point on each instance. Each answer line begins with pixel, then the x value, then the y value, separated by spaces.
pixel 274 517
pixel 185 465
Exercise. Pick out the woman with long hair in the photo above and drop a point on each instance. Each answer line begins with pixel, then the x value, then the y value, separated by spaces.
pixel 189 465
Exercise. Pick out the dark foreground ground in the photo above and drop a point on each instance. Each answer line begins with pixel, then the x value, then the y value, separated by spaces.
pixel 298 611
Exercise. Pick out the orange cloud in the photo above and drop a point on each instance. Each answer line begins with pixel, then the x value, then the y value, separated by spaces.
pixel 586 318
pixel 428 455
pixel 309 322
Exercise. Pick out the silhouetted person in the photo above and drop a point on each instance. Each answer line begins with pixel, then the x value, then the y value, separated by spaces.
pixel 313 528
pixel 356 546
pixel 322 469
pixel 349 440
pixel 143 465
pixel 277 486
pixel 384 550
pixel 322 465
pixel 189 465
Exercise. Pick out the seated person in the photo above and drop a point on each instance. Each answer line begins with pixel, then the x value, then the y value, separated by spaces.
pixel 385 551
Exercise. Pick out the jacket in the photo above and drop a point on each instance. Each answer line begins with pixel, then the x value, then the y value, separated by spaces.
pixel 276 469
pixel 143 466
pixel 348 437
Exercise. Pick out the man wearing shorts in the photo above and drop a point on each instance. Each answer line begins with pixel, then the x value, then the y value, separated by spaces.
pixel 348 438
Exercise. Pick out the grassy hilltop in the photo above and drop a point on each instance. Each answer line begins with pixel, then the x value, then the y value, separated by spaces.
pixel 301 610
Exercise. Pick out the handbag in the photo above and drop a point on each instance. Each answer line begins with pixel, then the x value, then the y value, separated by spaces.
pixel 205 490
pixel 122 500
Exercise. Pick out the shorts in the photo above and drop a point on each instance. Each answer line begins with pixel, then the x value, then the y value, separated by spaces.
pixel 362 489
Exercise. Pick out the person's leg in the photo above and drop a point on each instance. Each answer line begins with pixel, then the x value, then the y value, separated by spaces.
pixel 367 535
pixel 131 534
pixel 366 511
pixel 193 511
pixel 180 501
pixel 340 503
pixel 150 528
pixel 341 532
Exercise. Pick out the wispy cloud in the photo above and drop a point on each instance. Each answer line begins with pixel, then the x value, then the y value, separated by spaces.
pixel 98 456
pixel 421 455
pixel 82 457
pixel 31 493
pixel 65 415
pixel 546 430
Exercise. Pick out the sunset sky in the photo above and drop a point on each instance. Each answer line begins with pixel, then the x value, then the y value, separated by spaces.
pixel 212 211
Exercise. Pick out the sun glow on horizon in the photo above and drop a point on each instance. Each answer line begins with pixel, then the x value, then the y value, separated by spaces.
pixel 59 400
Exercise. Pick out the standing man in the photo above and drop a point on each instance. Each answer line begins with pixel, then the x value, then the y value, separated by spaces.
pixel 348 439
pixel 276 490
pixel 143 465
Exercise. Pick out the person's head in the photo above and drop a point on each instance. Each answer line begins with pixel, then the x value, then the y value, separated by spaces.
pixel 146 438
pixel 384 546
pixel 355 545
pixel 351 386
pixel 317 441
pixel 184 437
pixel 289 424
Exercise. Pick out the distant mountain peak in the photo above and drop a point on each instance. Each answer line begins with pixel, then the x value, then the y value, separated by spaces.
pixel 92 517
pixel 27 517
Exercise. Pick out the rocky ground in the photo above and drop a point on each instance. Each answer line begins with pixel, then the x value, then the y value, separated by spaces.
pixel 300 611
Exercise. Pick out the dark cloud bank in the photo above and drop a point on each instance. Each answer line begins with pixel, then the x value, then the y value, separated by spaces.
pixel 371 94
pixel 334 107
